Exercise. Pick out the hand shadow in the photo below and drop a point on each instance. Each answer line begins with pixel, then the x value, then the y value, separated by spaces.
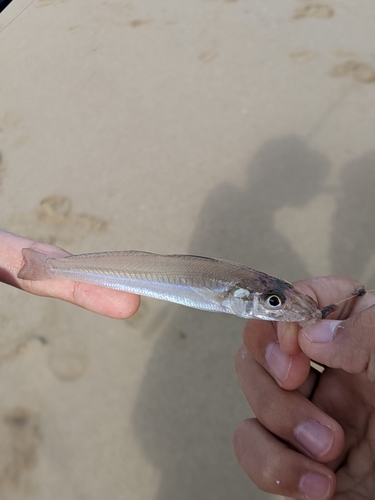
pixel 189 402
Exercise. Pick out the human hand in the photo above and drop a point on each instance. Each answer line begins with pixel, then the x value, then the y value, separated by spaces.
pixel 112 303
pixel 314 435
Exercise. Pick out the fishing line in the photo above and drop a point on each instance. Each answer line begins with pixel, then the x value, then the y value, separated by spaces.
pixel 4 4
pixel 332 307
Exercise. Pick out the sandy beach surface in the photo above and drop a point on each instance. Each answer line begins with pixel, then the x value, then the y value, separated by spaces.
pixel 235 129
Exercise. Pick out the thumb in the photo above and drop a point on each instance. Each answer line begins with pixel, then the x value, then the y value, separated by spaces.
pixel 348 345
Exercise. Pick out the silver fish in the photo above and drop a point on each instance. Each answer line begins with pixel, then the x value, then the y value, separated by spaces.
pixel 199 282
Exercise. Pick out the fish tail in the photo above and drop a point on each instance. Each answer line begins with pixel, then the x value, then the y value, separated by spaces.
pixel 34 267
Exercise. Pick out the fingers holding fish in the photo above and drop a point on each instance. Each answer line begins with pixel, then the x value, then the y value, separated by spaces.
pixel 349 330
pixel 348 344
pixel 285 449
pixel 261 340
pixel 276 468
pixel 297 438
pixel 288 415
pixel 277 346
pixel 338 290
pixel 110 303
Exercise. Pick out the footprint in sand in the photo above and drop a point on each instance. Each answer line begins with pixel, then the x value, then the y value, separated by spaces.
pixel 317 11
pixel 361 72
pixel 54 221
pixel 19 440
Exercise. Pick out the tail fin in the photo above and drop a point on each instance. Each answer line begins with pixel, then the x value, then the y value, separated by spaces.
pixel 34 267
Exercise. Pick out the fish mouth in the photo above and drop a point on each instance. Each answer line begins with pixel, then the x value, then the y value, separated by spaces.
pixel 305 309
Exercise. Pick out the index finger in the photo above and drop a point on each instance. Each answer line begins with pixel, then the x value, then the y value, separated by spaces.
pixel 112 303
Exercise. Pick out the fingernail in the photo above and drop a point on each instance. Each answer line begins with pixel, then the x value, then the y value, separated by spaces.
pixel 278 362
pixel 315 485
pixel 323 331
pixel 314 437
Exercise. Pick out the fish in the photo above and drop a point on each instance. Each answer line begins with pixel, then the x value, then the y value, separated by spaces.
pixel 204 283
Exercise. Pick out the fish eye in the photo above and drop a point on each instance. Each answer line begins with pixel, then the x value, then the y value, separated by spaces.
pixel 274 300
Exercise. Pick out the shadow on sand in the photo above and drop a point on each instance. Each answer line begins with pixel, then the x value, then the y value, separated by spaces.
pixel 189 402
